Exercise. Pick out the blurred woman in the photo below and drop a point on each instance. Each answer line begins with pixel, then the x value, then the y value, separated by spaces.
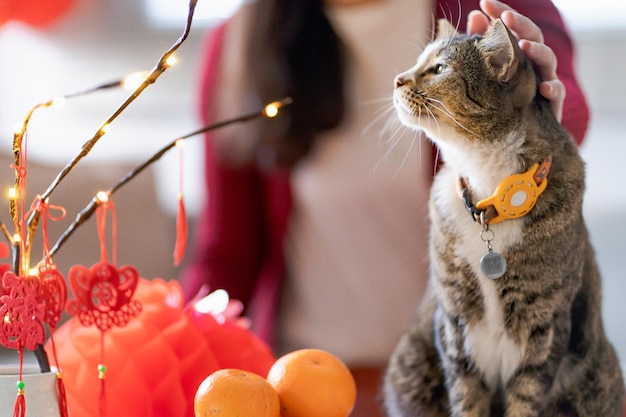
pixel 317 220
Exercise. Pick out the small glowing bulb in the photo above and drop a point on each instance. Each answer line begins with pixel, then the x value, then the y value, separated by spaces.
pixel 58 102
pixel 17 129
pixel 17 238
pixel 180 143
pixel 134 80
pixel 271 110
pixel 171 60
pixel 7 318
pixel 12 193
pixel 33 272
pixel 106 128
pixel 102 197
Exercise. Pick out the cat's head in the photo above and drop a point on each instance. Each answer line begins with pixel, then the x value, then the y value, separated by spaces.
pixel 466 87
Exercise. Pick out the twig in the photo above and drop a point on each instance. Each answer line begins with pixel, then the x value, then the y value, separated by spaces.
pixel 6 232
pixel 18 138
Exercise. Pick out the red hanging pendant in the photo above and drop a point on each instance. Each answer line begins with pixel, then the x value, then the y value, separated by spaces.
pixel 52 292
pixel 22 313
pixel 21 323
pixel 103 295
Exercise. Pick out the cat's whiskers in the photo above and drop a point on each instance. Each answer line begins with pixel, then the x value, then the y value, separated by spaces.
pixel 383 100
pixel 445 13
pixel 432 118
pixel 393 141
pixel 458 20
pixel 392 125
pixel 444 110
pixel 436 159
pixel 433 24
pixel 387 112
pixel 399 135
pixel 408 151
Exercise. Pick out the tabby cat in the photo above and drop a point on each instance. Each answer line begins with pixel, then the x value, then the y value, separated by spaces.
pixel 511 324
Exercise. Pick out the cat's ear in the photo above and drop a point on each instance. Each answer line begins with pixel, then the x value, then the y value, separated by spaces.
pixel 445 29
pixel 502 53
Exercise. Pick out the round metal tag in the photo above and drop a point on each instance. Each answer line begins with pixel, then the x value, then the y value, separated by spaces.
pixel 493 265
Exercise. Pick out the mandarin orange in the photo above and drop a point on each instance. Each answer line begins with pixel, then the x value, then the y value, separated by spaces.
pixel 236 393
pixel 312 383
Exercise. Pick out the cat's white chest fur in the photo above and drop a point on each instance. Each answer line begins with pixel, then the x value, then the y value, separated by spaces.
pixel 492 350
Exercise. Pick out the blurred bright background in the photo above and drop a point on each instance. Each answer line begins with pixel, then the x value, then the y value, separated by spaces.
pixel 99 41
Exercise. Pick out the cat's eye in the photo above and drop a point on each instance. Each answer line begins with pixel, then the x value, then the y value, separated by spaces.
pixel 435 69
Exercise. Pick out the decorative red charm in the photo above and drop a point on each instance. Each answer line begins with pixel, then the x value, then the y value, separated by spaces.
pixel 21 313
pixel 103 295
pixel 52 292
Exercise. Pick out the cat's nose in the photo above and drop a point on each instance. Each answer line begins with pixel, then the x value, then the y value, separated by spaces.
pixel 400 81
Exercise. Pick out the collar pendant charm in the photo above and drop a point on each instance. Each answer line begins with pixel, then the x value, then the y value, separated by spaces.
pixel 492 264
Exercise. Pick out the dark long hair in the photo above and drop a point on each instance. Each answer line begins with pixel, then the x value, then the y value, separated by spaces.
pixel 294 52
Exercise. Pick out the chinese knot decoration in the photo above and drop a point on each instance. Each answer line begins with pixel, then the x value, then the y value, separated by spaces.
pixel 22 313
pixel 103 295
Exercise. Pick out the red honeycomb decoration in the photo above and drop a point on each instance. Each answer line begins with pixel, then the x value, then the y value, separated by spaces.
pixel 157 361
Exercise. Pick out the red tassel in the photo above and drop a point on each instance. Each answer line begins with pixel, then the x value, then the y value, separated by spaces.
pixel 102 398
pixel 181 232
pixel 20 402
pixel 20 405
pixel 62 396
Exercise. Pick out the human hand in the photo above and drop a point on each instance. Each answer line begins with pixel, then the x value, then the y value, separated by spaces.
pixel 530 40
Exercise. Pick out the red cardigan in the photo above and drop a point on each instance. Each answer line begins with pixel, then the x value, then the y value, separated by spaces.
pixel 239 236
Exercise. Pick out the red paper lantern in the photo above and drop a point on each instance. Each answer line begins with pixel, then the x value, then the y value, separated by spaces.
pixel 39 13
pixel 157 361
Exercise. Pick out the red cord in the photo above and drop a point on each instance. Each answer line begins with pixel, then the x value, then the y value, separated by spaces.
pixel 101 219
pixel 62 396
pixel 102 375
